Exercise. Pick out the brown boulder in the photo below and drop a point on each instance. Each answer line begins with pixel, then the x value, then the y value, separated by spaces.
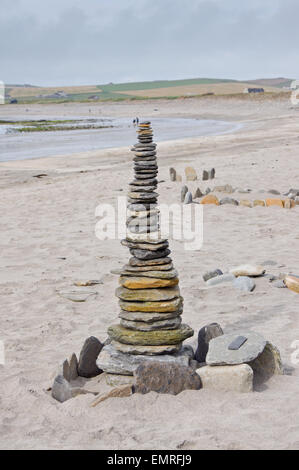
pixel 165 378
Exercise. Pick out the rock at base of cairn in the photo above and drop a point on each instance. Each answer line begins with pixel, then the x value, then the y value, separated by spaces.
pixel 165 378
pixel 113 361
pixel 205 335
pixel 238 378
pixel 87 366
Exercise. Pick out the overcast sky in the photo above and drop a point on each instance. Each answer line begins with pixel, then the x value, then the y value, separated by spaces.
pixel 72 42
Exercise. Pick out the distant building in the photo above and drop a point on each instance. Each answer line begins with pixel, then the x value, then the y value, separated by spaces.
pixel 254 90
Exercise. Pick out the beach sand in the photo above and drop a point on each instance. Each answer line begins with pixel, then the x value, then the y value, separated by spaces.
pixel 48 242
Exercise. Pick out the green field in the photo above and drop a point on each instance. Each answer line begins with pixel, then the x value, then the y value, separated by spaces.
pixel 125 91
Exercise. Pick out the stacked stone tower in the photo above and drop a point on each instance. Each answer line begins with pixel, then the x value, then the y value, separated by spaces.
pixel 149 297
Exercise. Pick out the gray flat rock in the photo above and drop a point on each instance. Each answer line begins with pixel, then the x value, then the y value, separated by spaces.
pixel 115 362
pixel 244 283
pixel 219 354
pixel 221 279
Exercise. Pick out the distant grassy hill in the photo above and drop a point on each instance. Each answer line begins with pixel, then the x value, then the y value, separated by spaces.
pixel 275 82
pixel 168 89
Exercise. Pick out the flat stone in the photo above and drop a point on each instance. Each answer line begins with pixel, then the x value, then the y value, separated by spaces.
pixel 145 182
pixel 245 191
pixel 117 392
pixel 142 195
pixel 259 202
pixel 87 361
pixel 76 295
pixel 113 361
pixel 172 174
pixel 149 317
pixel 90 282
pixel 229 200
pixel 237 378
pixel 145 154
pixel 245 203
pixel 144 246
pixel 146 350
pixel 211 274
pixel 188 198
pixel 134 282
pixel 184 191
pixel 274 202
pixel 144 208
pixel 292 282
pixel 219 354
pixel 165 275
pixel 221 279
pixel 154 268
pixel 190 173
pixel 244 283
pixel 149 338
pixel 250 270
pixel 135 262
pixel 149 176
pixel 143 189
pixel 160 307
pixel 165 378
pixel 148 295
pixel 142 214
pixel 205 335
pixel 148 219
pixel 152 237
pixel 149 255
pixel 170 324
pixel 289 203
pixel 137 229
pixel 210 199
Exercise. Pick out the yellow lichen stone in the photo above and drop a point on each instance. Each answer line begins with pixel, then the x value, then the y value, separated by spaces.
pixel 292 283
pixel 146 282
pixel 289 203
pixel 163 306
pixel 259 202
pixel 210 199
pixel 190 173
pixel 245 203
pixel 274 202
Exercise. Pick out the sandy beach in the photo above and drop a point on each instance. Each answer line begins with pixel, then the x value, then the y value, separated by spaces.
pixel 48 242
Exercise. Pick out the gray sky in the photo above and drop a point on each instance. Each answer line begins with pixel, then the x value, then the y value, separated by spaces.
pixel 72 42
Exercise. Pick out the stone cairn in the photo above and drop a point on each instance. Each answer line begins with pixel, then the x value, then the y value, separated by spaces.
pixel 149 297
